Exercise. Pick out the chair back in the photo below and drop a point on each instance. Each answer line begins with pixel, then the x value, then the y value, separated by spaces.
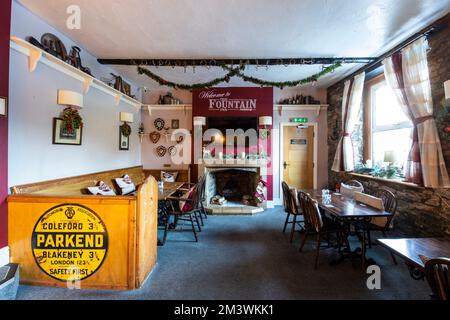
pixel 311 213
pixel 196 192
pixel 290 205
pixel 202 184
pixel 437 275
pixel 389 202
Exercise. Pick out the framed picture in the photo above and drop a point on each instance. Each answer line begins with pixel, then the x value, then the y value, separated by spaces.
pixel 3 106
pixel 124 142
pixel 61 136
pixel 175 124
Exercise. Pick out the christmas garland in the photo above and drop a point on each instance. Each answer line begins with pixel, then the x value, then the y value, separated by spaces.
pixel 191 87
pixel 125 129
pixel 237 72
pixel 283 84
pixel 71 120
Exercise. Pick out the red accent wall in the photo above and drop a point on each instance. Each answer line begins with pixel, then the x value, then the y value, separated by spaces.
pixel 5 26
pixel 249 102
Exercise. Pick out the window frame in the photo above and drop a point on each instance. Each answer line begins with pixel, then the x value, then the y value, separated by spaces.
pixel 370 127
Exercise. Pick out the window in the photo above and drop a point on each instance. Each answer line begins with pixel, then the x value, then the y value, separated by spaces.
pixel 390 128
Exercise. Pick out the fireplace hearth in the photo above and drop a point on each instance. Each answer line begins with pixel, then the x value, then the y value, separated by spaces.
pixel 236 186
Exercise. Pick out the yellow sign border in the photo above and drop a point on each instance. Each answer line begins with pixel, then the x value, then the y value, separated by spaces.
pixel 99 219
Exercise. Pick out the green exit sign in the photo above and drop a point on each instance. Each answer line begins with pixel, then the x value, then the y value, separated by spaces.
pixel 299 120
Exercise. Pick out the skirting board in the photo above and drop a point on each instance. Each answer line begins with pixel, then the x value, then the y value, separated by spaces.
pixel 4 256
pixel 277 202
pixel 269 204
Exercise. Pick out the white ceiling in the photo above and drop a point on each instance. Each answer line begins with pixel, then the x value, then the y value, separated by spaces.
pixel 240 29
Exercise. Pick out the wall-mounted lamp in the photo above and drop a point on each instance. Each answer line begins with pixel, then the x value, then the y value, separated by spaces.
pixel 265 121
pixel 447 89
pixel 447 102
pixel 199 121
pixel 126 117
pixel 70 98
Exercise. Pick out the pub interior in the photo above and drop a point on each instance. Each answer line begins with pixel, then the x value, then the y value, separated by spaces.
pixel 244 150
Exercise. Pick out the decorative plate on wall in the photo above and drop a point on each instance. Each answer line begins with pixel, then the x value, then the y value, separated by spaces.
pixel 155 136
pixel 180 139
pixel 159 124
pixel 161 151
pixel 172 150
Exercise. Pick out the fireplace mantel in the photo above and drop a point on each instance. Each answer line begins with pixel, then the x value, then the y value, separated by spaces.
pixel 232 163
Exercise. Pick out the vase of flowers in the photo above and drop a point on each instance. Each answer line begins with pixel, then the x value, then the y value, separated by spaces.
pixel 71 120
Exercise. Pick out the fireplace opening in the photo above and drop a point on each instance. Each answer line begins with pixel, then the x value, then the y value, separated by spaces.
pixel 233 186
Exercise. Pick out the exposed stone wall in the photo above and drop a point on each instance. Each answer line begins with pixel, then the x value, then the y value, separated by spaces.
pixel 421 211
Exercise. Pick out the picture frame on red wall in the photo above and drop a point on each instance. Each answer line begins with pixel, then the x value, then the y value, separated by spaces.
pixel 3 106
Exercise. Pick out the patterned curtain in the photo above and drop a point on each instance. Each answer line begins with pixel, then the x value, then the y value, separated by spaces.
pixel 344 159
pixel 407 74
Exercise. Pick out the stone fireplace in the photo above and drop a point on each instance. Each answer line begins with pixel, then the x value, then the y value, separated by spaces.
pixel 232 184
pixel 236 184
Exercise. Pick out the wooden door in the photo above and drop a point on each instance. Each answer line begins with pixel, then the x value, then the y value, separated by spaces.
pixel 298 156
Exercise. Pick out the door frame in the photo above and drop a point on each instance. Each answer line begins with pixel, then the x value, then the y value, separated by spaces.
pixel 281 169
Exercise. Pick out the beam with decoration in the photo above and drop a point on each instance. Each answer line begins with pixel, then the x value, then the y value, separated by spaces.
pixel 238 72
pixel 221 62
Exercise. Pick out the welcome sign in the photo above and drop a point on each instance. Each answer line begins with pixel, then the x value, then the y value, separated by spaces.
pixel 242 101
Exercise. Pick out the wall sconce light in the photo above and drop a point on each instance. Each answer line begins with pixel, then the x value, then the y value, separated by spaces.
pixel 71 99
pixel 199 121
pixel 447 101
pixel 3 106
pixel 447 93
pixel 126 117
pixel 265 122
pixel 447 89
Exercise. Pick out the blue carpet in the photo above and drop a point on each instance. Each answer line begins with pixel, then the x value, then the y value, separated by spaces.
pixel 248 257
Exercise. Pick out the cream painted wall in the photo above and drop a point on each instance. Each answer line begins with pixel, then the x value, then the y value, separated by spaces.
pixel 32 107
pixel 149 158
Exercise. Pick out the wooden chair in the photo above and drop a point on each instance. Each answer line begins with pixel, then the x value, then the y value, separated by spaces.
pixel 437 275
pixel 202 181
pixel 315 225
pixel 390 205
pixel 291 208
pixel 190 215
pixel 384 224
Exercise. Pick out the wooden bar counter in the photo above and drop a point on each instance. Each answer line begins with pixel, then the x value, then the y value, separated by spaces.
pixel 96 242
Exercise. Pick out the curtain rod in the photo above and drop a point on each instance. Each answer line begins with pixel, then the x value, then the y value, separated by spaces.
pixel 435 28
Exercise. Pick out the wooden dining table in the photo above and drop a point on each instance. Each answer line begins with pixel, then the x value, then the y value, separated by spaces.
pixel 348 211
pixel 411 250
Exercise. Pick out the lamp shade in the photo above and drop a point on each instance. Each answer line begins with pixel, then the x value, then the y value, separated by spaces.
pixel 390 156
pixel 199 121
pixel 447 89
pixel 126 117
pixel 265 121
pixel 70 98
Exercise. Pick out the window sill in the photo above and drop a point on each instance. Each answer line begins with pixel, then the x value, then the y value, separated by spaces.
pixel 393 181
